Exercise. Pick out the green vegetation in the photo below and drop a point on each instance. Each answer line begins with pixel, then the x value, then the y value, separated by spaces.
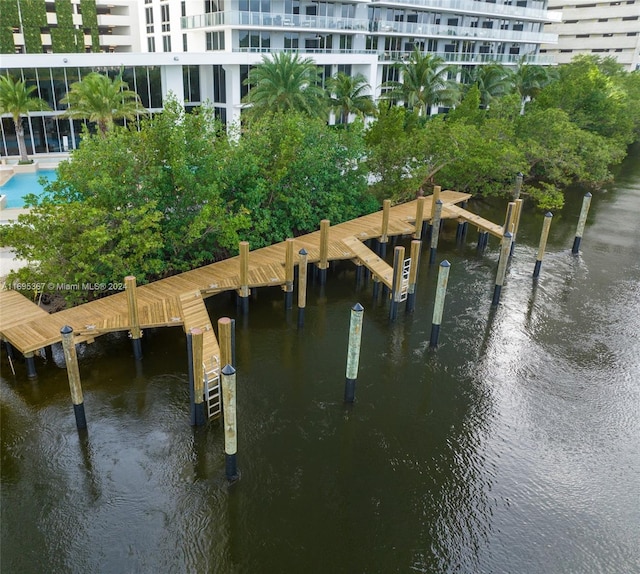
pixel 178 191
pixel 34 17
pixel 10 20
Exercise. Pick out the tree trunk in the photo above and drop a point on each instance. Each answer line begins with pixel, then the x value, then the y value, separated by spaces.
pixel 22 146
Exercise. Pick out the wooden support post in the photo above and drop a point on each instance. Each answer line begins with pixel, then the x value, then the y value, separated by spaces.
pixel 419 232
pixel 225 341
pixel 302 286
pixel 198 417
pixel 73 372
pixel 244 277
pixel 132 304
pixel 30 361
pixel 502 267
pixel 376 289
pixel 384 230
pixel 413 275
pixel 359 268
pixel 435 231
pixel 288 274
pixel 323 264
pixel 396 291
pixel 516 224
pixel 518 186
pixel 434 199
pixel 543 242
pixel 483 239
pixel 230 423
pixel 438 308
pixel 508 219
pixel 465 225
pixel 586 202
pixel 353 352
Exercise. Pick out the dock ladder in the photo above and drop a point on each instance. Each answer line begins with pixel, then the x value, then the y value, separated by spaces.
pixel 404 286
pixel 212 394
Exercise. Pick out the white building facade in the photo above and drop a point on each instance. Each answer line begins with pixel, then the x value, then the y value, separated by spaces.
pixel 202 50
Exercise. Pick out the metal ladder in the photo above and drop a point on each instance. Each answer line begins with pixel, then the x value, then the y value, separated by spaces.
pixel 404 286
pixel 212 388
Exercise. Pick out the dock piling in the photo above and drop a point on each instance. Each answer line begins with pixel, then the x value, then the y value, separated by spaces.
pixel 543 242
pixel 323 264
pixel 435 231
pixel 420 221
pixel 413 275
pixel 384 230
pixel 434 199
pixel 396 290
pixel 302 286
pixel 518 186
pixel 502 267
pixel 225 327
pixel 353 352
pixel 586 202
pixel 516 224
pixel 288 274
pixel 230 422
pixel 73 372
pixel 197 377
pixel 438 308
pixel 244 277
pixel 135 333
pixel 30 362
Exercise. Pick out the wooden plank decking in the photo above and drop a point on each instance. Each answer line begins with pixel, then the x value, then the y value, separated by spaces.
pixel 177 300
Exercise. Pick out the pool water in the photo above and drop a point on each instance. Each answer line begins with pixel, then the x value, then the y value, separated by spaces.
pixel 23 183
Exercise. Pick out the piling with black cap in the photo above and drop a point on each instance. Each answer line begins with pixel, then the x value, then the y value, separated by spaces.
pixel 135 333
pixel 396 290
pixel 353 352
pixel 288 274
pixel 543 242
pixel 413 275
pixel 230 422
pixel 73 372
pixel 438 308
pixel 502 267
pixel 586 202
pixel 435 231
pixel 302 285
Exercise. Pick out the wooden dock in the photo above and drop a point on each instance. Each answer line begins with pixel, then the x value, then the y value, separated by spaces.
pixel 178 300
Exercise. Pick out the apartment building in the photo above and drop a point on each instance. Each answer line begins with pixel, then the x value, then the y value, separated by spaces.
pixel 202 50
pixel 600 28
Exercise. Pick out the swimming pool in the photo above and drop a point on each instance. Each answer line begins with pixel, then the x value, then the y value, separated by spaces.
pixel 23 183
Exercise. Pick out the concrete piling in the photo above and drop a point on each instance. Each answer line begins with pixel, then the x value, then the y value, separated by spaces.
pixel 586 202
pixel 230 422
pixel 543 242
pixel 435 231
pixel 438 308
pixel 353 352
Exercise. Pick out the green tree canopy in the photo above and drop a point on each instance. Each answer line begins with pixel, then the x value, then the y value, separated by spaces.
pixel 16 99
pixel 350 95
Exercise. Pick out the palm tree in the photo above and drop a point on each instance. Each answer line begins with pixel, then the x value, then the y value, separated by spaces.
pixel 348 95
pixel 16 99
pixel 99 99
pixel 424 83
pixel 493 81
pixel 528 80
pixel 285 83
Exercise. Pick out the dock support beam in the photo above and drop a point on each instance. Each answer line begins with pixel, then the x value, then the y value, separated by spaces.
pixel 197 377
pixel 586 202
pixel 288 274
pixel 230 423
pixel 438 308
pixel 413 275
pixel 353 352
pixel 323 264
pixel 502 267
pixel 420 221
pixel 543 242
pixel 73 372
pixel 396 290
pixel 244 277
pixel 302 286
pixel 435 231
pixel 132 304
pixel 384 230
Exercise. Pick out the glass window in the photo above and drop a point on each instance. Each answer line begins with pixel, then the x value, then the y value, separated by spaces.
pixel 166 43
pixel 219 85
pixel 155 87
pixel 151 44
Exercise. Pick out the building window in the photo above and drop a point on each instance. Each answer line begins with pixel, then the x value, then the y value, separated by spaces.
pixel 518 26
pixel 184 43
pixel 164 12
pixel 148 12
pixel 487 24
pixel 215 41
pixel 213 6
pixel 346 42
pixel 151 44
pixel 291 41
pixel 166 43
pixel 219 85
pixel 183 8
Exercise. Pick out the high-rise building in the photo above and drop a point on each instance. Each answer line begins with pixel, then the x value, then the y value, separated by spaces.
pixel 603 28
pixel 202 50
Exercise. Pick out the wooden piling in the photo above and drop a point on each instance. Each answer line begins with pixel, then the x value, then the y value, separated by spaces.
pixel 438 308
pixel 516 224
pixel 508 219
pixel 396 290
pixel 353 352
pixel 230 422
pixel 302 285
pixel 434 199
pixel 288 274
pixel 419 218
pixel 413 275
pixel 135 333
pixel 225 341
pixel 198 417
pixel 73 372
pixel 323 264
pixel 435 231
pixel 502 267
pixel 586 202
pixel 546 224
pixel 244 290
pixel 384 230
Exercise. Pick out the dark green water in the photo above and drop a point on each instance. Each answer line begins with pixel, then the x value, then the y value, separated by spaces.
pixel 512 448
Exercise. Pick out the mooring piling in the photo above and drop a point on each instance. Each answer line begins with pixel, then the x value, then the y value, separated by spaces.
pixel 434 199
pixel 230 422
pixel 302 286
pixel 353 352
pixel 518 187
pixel 420 221
pixel 413 275
pixel 135 333
pixel 244 291
pixel 502 267
pixel 73 372
pixel 396 290
pixel 384 229
pixel 288 274
pixel 435 231
pixel 516 224
pixel 546 224
pixel 586 202
pixel 323 264
pixel 198 417
pixel 438 308
pixel 508 218
pixel 30 362
pixel 225 342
